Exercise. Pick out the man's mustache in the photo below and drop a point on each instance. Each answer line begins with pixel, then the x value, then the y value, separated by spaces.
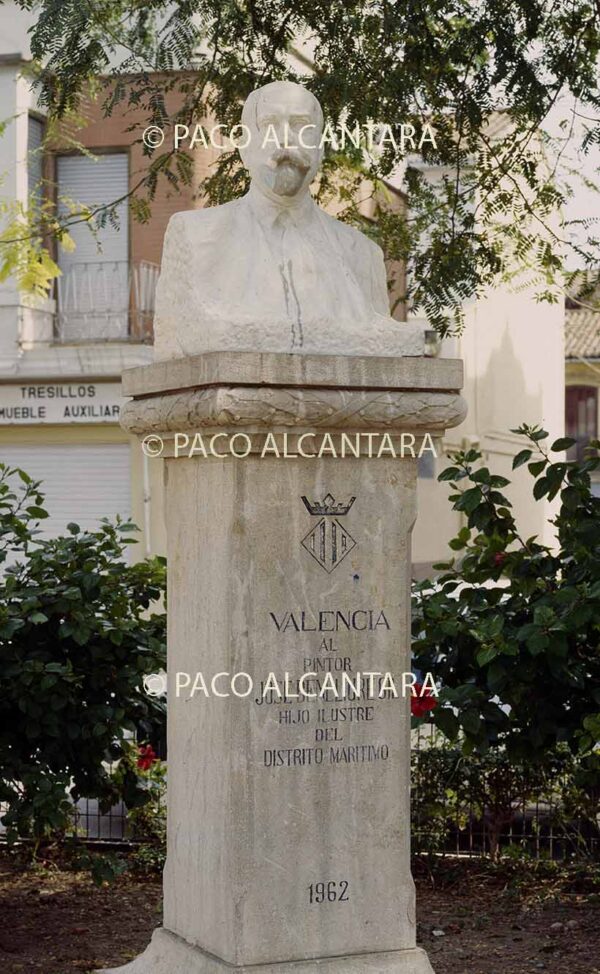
pixel 297 157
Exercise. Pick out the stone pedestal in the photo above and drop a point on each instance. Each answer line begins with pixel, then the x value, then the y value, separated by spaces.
pixel 288 819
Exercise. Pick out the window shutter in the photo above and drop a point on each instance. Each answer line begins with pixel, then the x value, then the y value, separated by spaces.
pixel 35 137
pixel 94 290
pixel 81 482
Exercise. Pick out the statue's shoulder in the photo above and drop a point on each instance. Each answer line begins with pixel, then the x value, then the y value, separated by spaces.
pixel 352 238
pixel 207 219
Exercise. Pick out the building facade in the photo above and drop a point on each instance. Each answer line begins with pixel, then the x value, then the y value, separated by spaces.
pixel 61 359
pixel 582 376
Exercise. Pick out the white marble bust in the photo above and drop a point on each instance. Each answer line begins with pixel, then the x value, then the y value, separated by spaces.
pixel 272 272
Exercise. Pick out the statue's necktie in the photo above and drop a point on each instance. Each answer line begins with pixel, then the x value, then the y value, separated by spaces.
pixel 297 266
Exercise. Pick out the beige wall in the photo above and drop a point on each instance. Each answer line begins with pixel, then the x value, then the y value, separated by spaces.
pixel 513 353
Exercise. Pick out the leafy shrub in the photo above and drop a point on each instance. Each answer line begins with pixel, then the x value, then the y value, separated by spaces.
pixel 511 631
pixel 77 635
pixel 149 821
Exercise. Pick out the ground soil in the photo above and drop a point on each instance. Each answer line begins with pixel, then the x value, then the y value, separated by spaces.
pixel 473 918
pixel 499 920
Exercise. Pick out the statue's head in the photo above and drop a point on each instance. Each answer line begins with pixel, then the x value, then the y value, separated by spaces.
pixel 285 123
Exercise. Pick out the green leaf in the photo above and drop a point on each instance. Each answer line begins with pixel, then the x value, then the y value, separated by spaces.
pixel 543 615
pixel 537 644
pixel 37 617
pixel 563 443
pixel 496 675
pixel 450 473
pixel 469 500
pixel 526 631
pixel 571 498
pixel 486 655
pixel 37 511
pixel 521 458
pixel 447 721
pixel 10 627
pixel 495 625
pixel 470 721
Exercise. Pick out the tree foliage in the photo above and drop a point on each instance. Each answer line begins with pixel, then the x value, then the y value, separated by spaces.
pixel 77 634
pixel 512 629
pixel 485 74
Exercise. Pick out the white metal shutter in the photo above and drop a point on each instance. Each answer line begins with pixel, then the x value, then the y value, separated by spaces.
pixel 93 293
pixel 35 137
pixel 81 482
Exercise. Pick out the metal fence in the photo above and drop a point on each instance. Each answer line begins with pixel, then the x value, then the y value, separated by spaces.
pixel 461 806
pixel 106 301
pixel 536 828
pixel 97 826
pixel 486 805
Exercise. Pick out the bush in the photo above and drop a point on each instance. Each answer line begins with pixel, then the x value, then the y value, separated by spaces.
pixel 149 822
pixel 77 635
pixel 512 629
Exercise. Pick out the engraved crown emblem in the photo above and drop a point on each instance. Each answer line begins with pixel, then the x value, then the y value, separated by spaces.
pixel 328 506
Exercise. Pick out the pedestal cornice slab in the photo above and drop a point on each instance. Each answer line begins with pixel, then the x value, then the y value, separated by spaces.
pixel 291 391
pixel 307 371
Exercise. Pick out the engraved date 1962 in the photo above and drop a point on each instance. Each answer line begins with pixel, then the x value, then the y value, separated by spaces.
pixel 329 892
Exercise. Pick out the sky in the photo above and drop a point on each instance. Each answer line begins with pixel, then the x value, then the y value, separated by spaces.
pixel 585 203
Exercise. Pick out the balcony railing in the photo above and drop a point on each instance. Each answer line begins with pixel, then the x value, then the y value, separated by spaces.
pixel 106 301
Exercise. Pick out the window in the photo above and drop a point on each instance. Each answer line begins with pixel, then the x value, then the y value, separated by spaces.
pixel 582 418
pixel 94 289
pixel 35 138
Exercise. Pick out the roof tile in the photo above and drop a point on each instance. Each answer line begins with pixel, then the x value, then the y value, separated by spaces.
pixel 582 333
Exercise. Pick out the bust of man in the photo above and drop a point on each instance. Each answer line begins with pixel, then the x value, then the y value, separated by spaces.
pixel 272 272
